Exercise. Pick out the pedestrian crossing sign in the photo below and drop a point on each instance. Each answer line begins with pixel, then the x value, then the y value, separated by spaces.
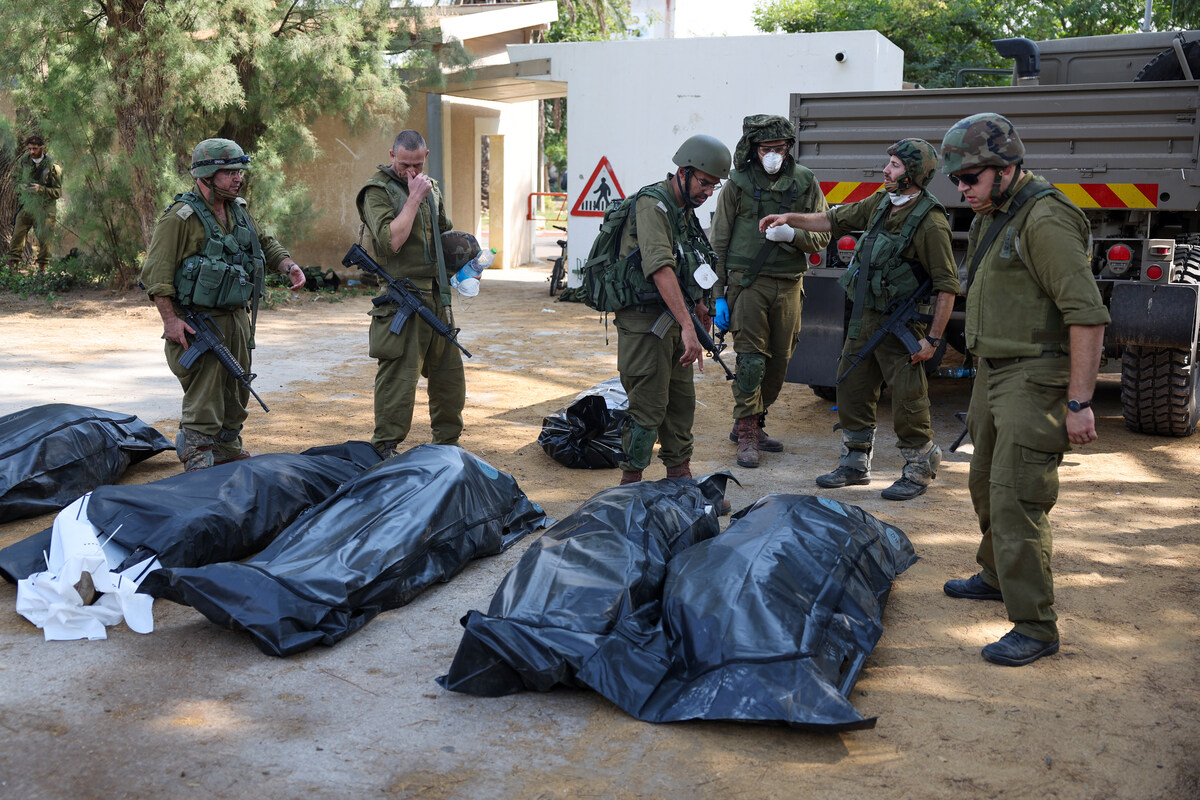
pixel 601 191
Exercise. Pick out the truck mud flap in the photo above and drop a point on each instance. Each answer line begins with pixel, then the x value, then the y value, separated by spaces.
pixel 1154 315
pixel 822 333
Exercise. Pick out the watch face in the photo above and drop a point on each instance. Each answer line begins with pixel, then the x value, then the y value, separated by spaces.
pixel 1075 405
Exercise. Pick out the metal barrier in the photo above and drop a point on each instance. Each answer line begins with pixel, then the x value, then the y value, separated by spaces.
pixel 560 211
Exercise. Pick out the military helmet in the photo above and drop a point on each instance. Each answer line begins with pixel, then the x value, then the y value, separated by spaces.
pixel 919 159
pixel 705 153
pixel 213 155
pixel 459 247
pixel 981 140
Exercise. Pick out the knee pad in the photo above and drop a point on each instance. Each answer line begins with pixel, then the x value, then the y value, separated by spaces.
pixel 751 367
pixel 639 444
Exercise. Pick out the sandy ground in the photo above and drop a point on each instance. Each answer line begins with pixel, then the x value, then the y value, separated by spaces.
pixel 197 711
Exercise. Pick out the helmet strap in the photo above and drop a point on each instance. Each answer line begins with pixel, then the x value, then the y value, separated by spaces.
pixel 684 195
pixel 224 194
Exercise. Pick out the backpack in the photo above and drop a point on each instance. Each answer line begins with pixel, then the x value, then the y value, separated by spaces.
pixel 609 282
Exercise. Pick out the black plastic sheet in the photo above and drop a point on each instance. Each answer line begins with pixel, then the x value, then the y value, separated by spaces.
pixel 576 584
pixel 381 540
pixel 771 621
pixel 587 433
pixel 222 513
pixel 53 454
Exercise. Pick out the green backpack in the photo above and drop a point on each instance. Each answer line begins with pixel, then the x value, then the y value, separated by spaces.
pixel 609 282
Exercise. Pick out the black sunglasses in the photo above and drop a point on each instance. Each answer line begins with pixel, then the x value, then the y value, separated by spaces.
pixel 967 178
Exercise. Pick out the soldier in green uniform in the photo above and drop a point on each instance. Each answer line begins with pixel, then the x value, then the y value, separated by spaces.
pixel 906 240
pixel 759 292
pixel 1035 320
pixel 209 256
pixel 38 179
pixel 655 359
pixel 402 210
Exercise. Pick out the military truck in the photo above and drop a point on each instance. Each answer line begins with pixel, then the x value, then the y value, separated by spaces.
pixel 1110 120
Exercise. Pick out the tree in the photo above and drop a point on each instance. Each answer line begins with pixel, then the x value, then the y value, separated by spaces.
pixel 939 39
pixel 125 88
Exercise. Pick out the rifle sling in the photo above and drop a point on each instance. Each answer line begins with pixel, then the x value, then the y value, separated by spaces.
pixel 1028 193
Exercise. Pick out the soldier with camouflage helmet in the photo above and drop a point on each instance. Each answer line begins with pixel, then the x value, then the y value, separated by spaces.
pixel 402 210
pixel 1035 321
pixel 208 255
pixel 759 291
pixel 906 239
pixel 655 363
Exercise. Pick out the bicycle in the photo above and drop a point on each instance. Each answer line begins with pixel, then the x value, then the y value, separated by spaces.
pixel 558 273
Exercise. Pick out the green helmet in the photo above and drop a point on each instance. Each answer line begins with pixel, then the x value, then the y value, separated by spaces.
pixel 981 140
pixel 704 153
pixel 759 128
pixel 459 247
pixel 919 159
pixel 213 155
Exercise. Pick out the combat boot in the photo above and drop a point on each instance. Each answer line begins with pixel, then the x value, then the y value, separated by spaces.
pixel 920 468
pixel 747 441
pixel 628 477
pixel 854 467
pixel 195 449
pixel 766 444
pixel 684 470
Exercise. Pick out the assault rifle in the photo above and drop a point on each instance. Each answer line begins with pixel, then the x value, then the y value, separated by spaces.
pixel 208 338
pixel 711 348
pixel 898 314
pixel 403 294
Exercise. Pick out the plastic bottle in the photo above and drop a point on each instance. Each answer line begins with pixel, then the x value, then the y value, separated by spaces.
pixel 466 280
pixel 956 372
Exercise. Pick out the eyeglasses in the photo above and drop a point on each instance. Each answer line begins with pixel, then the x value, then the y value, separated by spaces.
pixel 714 185
pixel 781 149
pixel 967 178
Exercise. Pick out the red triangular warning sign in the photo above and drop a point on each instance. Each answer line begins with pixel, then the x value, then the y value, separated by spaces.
pixel 601 191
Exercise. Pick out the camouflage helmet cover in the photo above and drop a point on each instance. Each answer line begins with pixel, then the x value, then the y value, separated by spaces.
pixel 459 247
pixel 758 128
pixel 214 155
pixel 920 161
pixel 981 140
pixel 705 153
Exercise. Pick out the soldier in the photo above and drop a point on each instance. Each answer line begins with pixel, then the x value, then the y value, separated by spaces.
pixel 906 240
pixel 38 178
pixel 656 367
pixel 209 256
pixel 402 209
pixel 1036 322
pixel 759 292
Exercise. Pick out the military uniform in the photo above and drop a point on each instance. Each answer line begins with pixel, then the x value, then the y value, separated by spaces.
pixel 764 307
pixel 214 402
pixel 38 210
pixel 1033 282
pixel 858 393
pixel 662 396
pixel 417 350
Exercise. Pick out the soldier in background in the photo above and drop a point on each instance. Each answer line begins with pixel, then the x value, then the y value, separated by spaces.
pixel 38 181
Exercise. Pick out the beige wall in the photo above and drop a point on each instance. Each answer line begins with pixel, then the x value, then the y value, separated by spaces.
pixel 350 158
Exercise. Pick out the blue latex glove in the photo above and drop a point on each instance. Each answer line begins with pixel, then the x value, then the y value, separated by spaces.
pixel 721 320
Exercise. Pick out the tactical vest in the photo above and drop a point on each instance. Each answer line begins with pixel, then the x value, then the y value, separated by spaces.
pixel 754 203
pixel 416 254
pixel 691 249
pixel 228 271
pixel 889 275
pixel 1020 318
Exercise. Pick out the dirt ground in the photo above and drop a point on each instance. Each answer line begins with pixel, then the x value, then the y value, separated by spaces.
pixel 193 710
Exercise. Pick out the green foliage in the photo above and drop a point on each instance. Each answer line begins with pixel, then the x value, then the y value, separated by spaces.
pixel 940 38
pixel 124 89
pixel 73 272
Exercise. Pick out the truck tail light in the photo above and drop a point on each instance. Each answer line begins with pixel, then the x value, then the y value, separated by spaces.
pixel 1154 272
pixel 846 246
pixel 1161 251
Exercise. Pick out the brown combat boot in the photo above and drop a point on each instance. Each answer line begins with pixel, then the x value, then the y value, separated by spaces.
pixel 683 470
pixel 747 439
pixel 628 477
pixel 767 444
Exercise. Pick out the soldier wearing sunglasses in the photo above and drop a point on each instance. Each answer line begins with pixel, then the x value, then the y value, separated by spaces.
pixel 1035 321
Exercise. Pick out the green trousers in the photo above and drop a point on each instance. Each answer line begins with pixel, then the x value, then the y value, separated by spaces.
pixel 764 321
pixel 661 392
pixel 405 358
pixel 213 400
pixel 1017 422
pixel 858 393
pixel 43 234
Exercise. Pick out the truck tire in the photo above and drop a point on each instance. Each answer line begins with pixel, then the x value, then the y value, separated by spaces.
pixel 1165 66
pixel 1158 391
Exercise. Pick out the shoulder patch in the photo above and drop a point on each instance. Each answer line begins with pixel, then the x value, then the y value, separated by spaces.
pixel 184 211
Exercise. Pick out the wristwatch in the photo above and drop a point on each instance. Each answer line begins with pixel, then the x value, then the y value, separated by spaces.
pixel 1078 405
pixel 934 340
